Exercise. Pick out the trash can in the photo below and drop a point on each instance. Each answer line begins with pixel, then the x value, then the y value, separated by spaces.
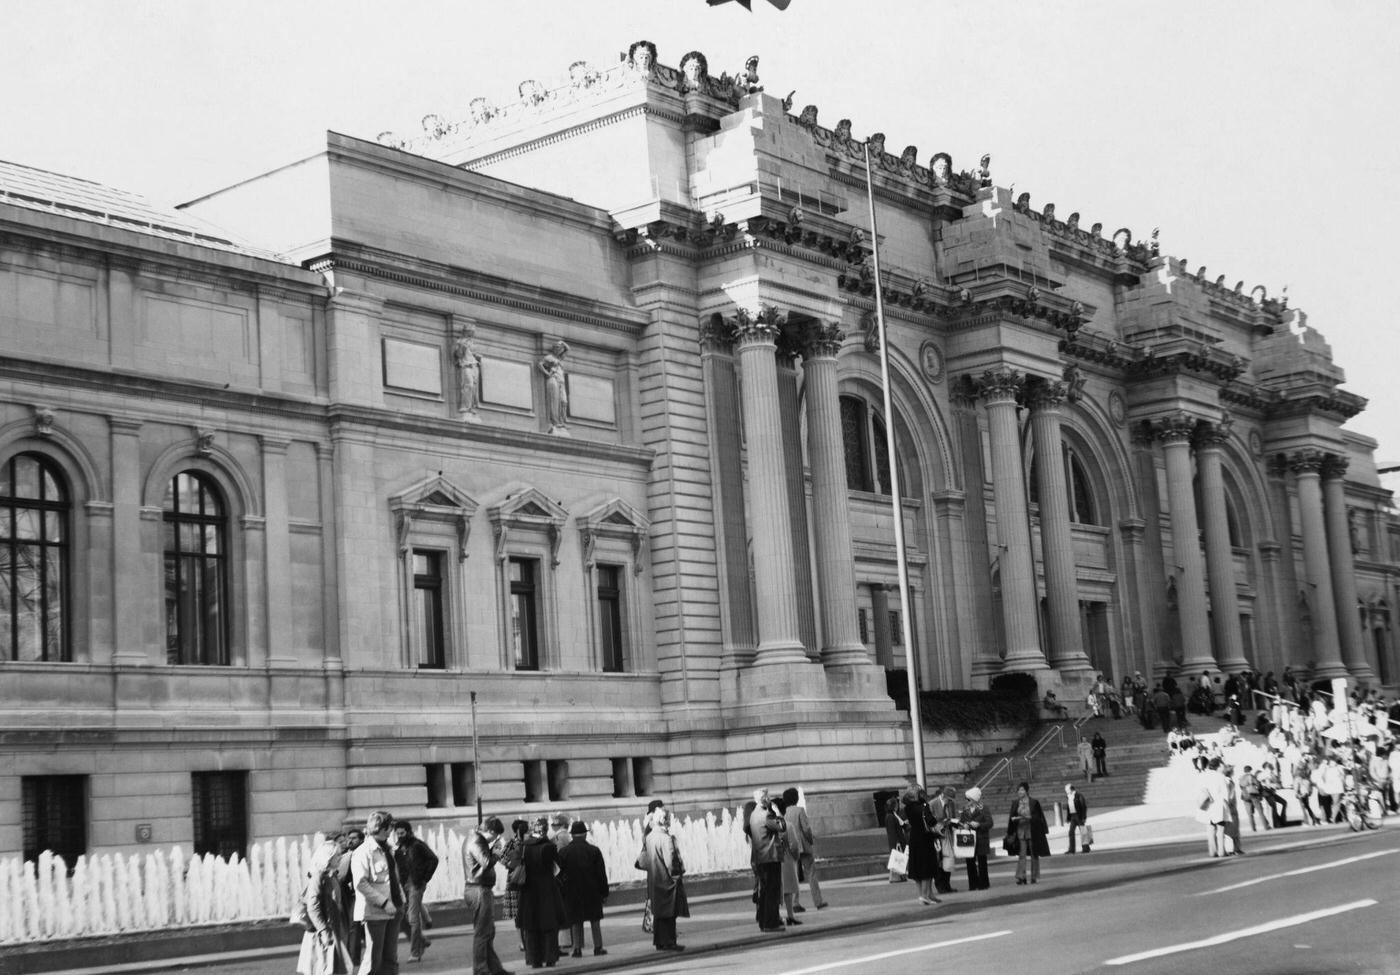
pixel 881 797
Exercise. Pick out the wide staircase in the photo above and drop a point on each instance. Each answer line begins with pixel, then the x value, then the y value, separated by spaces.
pixel 1046 758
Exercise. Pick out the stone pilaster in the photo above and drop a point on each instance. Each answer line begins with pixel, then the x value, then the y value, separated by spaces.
pixel 836 581
pixel 133 597
pixel 1175 431
pixel 1220 560
pixel 778 635
pixel 1056 540
pixel 278 567
pixel 1327 657
pixel 1349 633
pixel 999 389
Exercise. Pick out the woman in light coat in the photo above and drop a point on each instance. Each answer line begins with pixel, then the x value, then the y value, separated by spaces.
pixel 661 859
pixel 323 950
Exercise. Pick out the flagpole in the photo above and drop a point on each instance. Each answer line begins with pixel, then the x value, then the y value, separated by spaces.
pixel 896 501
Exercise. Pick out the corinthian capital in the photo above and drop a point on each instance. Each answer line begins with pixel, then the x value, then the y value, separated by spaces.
pixel 818 339
pixel 1306 461
pixel 716 333
pixel 1000 385
pixel 1178 427
pixel 1334 465
pixel 758 326
pixel 1042 394
pixel 1213 435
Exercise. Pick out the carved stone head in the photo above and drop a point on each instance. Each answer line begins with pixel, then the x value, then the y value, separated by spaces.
pixel 808 116
pixel 940 166
pixel 909 156
pixel 1122 238
pixel 843 130
pixel 481 110
pixel 877 144
pixel 642 56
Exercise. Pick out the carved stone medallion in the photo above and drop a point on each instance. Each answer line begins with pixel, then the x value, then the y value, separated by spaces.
pixel 1117 409
pixel 931 362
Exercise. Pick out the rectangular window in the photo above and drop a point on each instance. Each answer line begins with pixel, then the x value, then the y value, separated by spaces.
pixel 524 620
pixel 641 776
pixel 622 778
pixel 896 629
pixel 436 776
pixel 54 815
pixel 863 620
pixel 534 780
pixel 463 784
pixel 610 632
pixel 427 609
pixel 558 771
pixel 220 804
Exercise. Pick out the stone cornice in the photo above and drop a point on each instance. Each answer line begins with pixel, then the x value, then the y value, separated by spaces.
pixel 479 287
pixel 1339 403
pixel 1203 361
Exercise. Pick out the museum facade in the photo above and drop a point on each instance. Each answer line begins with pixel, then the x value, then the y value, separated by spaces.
pixel 563 424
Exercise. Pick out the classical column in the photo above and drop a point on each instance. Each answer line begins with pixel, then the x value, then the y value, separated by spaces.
pixel 836 578
pixel 1220 559
pixel 1334 505
pixel 1175 432
pixel 1326 649
pixel 999 389
pixel 778 640
pixel 1056 541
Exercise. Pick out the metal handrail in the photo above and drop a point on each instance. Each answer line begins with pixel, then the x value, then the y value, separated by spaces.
pixel 1041 745
pixel 1002 765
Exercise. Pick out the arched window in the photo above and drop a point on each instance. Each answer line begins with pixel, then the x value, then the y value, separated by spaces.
pixel 196 547
pixel 1083 509
pixel 34 560
pixel 1232 522
pixel 867 447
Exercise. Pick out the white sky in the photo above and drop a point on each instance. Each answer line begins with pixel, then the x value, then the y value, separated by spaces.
pixel 1262 137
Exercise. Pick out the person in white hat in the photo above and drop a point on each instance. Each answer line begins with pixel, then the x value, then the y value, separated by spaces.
pixel 975 816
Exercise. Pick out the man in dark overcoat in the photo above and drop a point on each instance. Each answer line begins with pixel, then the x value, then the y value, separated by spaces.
pixel 585 887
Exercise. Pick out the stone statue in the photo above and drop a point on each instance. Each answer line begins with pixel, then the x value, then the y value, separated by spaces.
pixel 940 166
pixel 468 364
pixel 642 57
pixel 556 389
pixel 748 78
pixel 695 72
pixel 808 116
pixel 984 171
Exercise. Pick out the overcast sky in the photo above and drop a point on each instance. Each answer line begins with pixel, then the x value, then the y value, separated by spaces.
pixel 1262 138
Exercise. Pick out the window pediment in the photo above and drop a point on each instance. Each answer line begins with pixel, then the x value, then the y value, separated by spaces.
pixel 433 499
pixel 528 509
pixel 616 519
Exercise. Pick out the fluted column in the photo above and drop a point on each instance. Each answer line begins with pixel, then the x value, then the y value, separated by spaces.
pixel 1326 648
pixel 755 339
pixel 1056 539
pixel 1175 432
pixel 836 578
pixel 1000 388
pixel 1334 505
pixel 1220 559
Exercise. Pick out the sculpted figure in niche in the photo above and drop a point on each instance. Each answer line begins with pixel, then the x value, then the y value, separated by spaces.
pixel 808 116
pixel 940 166
pixel 556 389
pixel 642 56
pixel 468 365
pixel 695 72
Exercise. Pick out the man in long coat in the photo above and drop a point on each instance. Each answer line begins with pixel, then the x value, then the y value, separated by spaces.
pixel 661 859
pixel 585 887
pixel 541 908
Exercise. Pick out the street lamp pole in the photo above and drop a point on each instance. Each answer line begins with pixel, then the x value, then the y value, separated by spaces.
pixel 896 501
pixel 476 763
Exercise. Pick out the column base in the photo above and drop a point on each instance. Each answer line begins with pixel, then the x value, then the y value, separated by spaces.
pixel 1330 670
pixel 780 653
pixel 1027 661
pixel 1363 674
pixel 1194 665
pixel 1234 666
pixel 862 682
pixel 792 686
pixel 1073 663
pixel 845 654
pixel 983 670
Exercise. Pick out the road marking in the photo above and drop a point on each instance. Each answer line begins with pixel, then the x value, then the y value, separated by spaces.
pixel 1221 939
pixel 893 954
pixel 1301 870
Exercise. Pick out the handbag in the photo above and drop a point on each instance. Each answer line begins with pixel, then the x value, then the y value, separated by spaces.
pixel 964 843
pixel 1011 843
pixel 1086 835
pixel 515 880
pixel 647 918
pixel 898 861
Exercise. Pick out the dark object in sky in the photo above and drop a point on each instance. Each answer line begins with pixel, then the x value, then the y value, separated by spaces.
pixel 780 4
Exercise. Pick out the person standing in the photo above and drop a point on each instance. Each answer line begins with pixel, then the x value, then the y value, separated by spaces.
pixel 661 859
pixel 585 887
pixel 324 945
pixel 354 839
pixel 509 860
pixel 559 835
pixel 1027 822
pixel 1214 806
pixel 1252 792
pixel 541 909
pixel 1162 705
pixel 1085 753
pixel 803 846
pixel 923 848
pixel 479 869
pixel 1100 750
pixel 766 857
pixel 945 811
pixel 896 832
pixel 1077 809
pixel 416 863
pixel 378 897
pixel 977 817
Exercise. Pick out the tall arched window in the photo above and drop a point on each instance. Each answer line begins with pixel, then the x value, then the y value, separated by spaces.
pixel 867 447
pixel 196 547
pixel 34 560
pixel 1083 509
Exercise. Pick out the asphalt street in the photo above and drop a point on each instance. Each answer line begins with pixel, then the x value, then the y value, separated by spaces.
pixel 1314 902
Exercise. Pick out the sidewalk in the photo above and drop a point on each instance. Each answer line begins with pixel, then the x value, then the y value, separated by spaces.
pixel 859 892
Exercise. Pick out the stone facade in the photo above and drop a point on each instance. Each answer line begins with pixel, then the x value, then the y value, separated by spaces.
pixel 575 406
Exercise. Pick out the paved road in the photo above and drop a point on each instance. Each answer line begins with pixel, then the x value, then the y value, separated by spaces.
pixel 1143 912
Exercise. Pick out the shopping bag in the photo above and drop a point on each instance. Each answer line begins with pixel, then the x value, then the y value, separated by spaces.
pixel 898 861
pixel 964 843
pixel 1086 835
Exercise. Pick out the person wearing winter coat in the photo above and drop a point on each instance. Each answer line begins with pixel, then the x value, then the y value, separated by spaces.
pixel 977 817
pixel 323 949
pixel 1027 822
pixel 585 887
pixel 661 859
pixel 541 908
